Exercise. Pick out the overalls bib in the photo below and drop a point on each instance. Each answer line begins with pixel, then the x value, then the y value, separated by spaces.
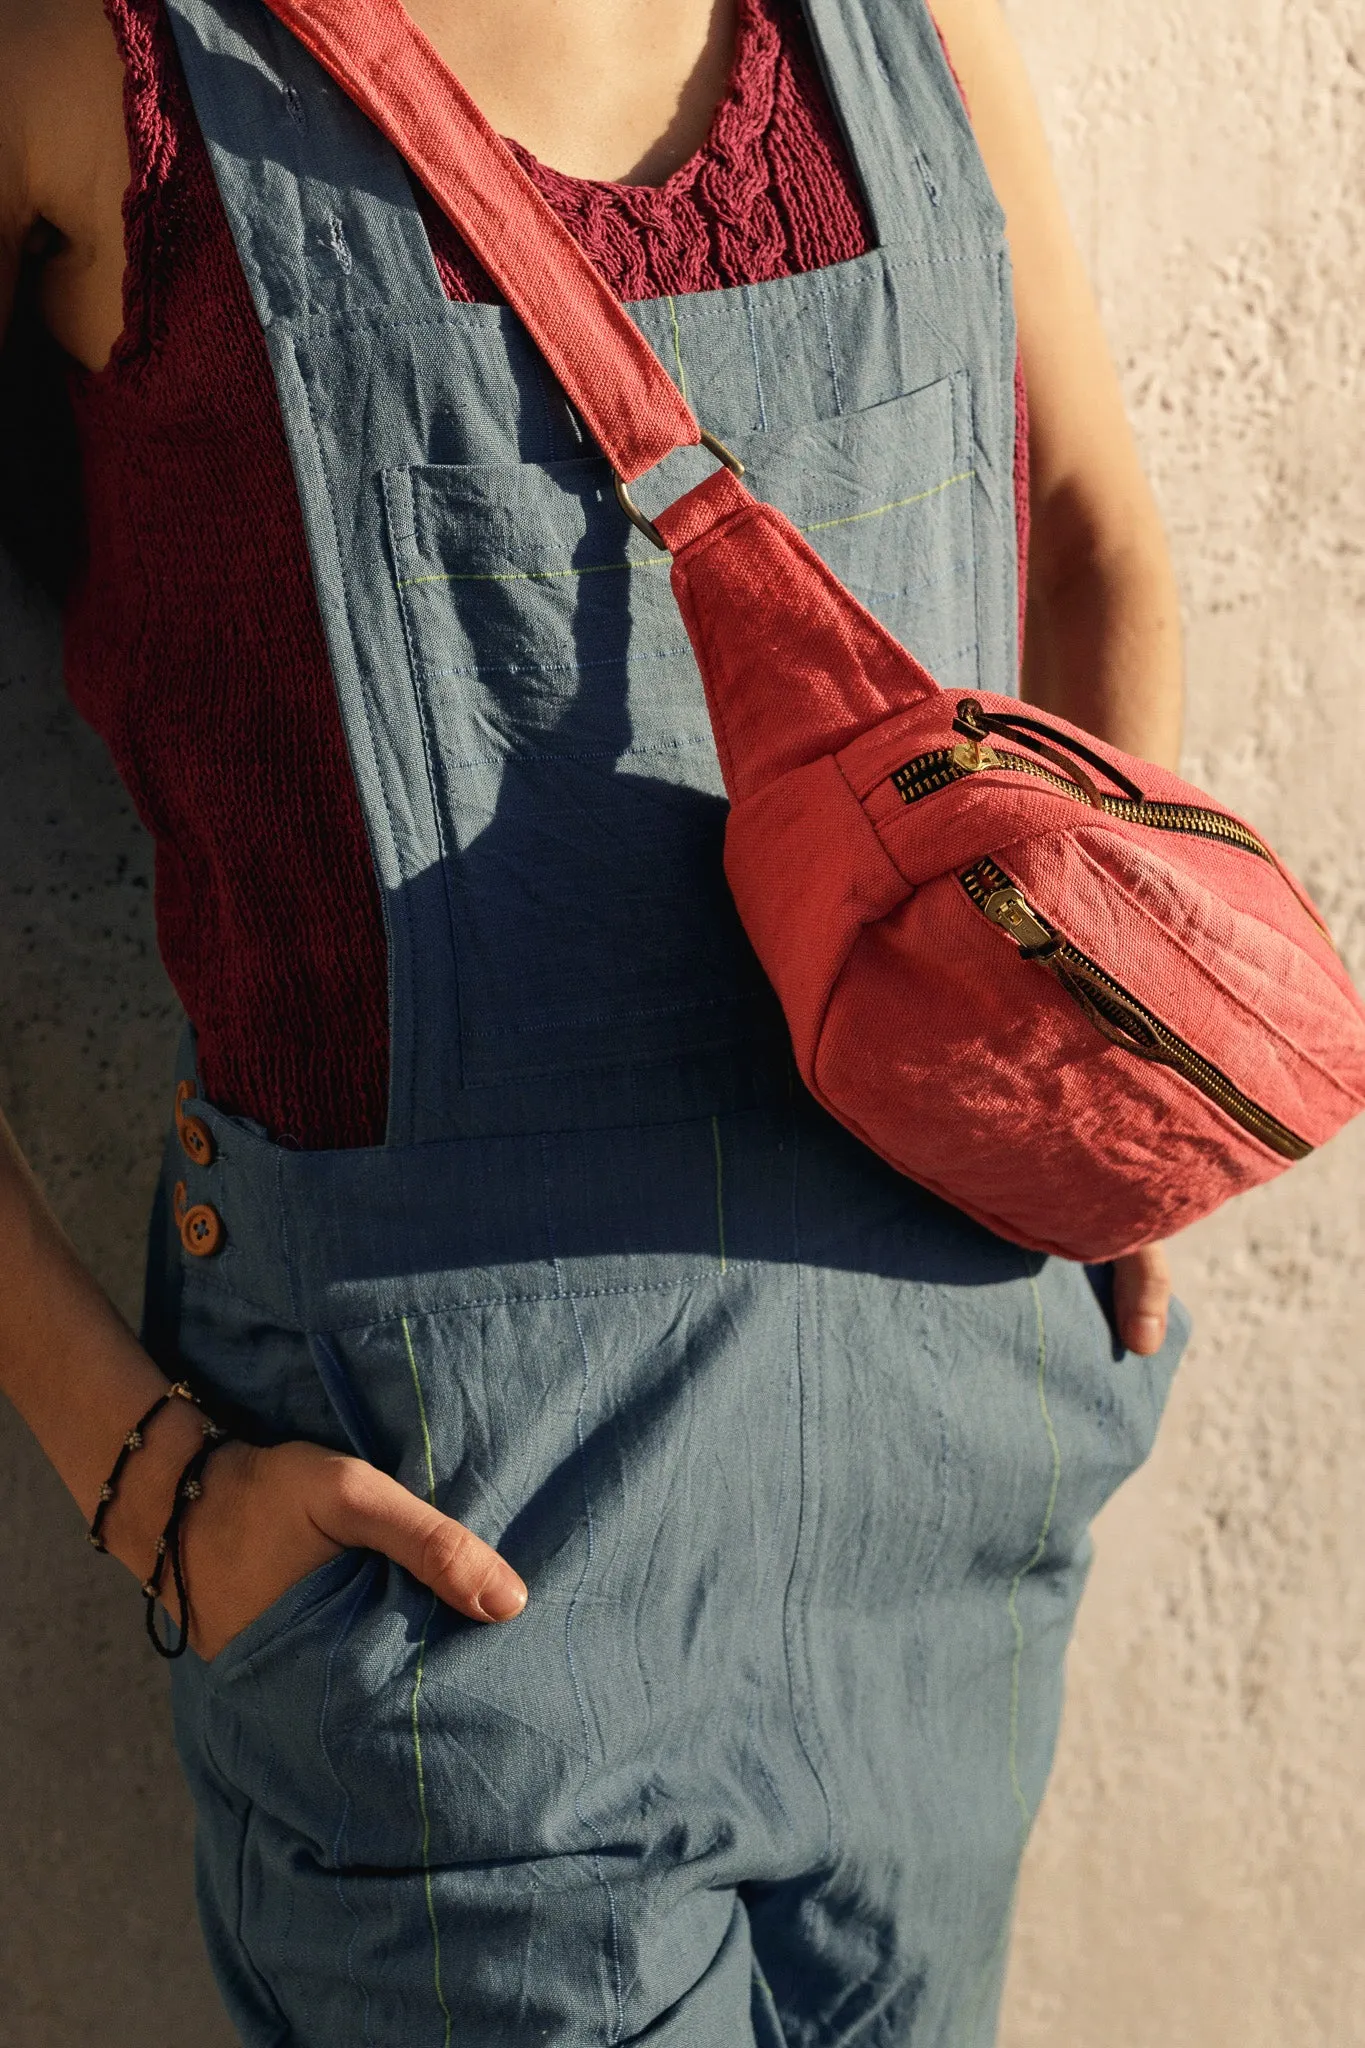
pixel 796 1461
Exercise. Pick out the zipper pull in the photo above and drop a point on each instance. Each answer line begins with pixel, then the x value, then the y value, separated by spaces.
pixel 1007 908
pixel 974 754
pixel 1041 738
pixel 971 719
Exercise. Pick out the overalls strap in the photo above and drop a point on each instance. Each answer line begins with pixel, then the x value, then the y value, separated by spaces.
pixel 379 56
pixel 918 161
pixel 320 206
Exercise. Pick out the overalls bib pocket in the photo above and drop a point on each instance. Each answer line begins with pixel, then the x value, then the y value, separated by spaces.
pixel 570 751
pixel 884 495
pixel 574 775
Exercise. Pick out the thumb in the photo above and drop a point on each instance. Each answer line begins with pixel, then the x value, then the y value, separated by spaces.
pixel 1142 1298
pixel 360 1507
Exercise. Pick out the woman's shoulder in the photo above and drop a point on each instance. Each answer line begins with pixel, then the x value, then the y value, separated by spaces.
pixel 64 164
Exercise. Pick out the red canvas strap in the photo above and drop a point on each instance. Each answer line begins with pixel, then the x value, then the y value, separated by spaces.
pixel 381 60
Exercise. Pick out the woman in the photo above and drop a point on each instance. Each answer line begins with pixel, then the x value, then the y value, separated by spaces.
pixel 532 1288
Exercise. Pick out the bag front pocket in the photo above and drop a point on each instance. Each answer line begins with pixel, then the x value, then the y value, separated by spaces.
pixel 567 732
pixel 1116 1013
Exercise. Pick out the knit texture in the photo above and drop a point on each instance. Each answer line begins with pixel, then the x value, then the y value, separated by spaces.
pixel 771 192
pixel 194 642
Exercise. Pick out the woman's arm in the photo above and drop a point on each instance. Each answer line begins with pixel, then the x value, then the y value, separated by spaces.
pixel 1103 634
pixel 1103 640
pixel 79 1378
pixel 68 1362
pixel 72 1369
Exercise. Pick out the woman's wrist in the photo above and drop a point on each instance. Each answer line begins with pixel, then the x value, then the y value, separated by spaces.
pixel 78 1376
pixel 138 1513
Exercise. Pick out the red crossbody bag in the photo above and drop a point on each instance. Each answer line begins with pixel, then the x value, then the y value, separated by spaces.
pixel 1057 985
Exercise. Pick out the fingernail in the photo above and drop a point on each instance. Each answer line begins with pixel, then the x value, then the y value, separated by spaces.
pixel 1147 1334
pixel 503 1599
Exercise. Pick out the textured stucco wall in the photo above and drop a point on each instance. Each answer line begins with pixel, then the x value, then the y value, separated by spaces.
pixel 1197 1877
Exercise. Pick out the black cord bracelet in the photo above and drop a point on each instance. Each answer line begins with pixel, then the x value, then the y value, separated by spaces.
pixel 134 1441
pixel 188 1488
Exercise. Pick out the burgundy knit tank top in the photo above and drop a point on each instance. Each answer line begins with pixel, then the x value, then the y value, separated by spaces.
pixel 193 640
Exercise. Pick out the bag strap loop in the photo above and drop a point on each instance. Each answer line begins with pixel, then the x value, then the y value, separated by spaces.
pixel 716 447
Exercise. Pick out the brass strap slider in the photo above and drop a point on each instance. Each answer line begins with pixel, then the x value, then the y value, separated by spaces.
pixel 647 526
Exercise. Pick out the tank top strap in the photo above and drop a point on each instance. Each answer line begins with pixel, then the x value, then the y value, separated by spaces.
pixel 325 219
pixel 904 120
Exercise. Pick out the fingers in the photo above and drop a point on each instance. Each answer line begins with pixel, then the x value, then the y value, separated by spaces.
pixel 1142 1299
pixel 362 1508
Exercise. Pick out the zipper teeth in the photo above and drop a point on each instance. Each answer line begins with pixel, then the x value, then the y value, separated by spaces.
pixel 930 772
pixel 982 881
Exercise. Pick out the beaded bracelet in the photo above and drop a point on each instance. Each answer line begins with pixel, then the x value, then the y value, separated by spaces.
pixel 136 1437
pixel 188 1489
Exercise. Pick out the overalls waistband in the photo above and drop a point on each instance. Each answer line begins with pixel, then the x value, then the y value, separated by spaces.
pixel 317 1238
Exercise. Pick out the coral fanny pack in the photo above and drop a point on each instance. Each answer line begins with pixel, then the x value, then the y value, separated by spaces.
pixel 1057 985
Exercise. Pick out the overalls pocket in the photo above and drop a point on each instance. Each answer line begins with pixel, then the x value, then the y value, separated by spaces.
pixel 302 1603
pixel 884 495
pixel 595 1428
pixel 566 727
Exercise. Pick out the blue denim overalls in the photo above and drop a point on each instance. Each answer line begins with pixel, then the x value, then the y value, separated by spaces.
pixel 796 1461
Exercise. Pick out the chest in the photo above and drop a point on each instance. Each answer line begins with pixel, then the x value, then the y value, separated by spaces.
pixel 611 89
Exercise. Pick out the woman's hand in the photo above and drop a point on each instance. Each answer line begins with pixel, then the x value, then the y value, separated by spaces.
pixel 268 1517
pixel 1142 1298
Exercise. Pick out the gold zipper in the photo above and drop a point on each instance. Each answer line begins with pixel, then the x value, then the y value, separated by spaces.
pixel 930 772
pixel 1113 1010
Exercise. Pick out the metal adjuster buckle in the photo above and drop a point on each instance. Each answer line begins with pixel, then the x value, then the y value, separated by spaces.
pixel 647 526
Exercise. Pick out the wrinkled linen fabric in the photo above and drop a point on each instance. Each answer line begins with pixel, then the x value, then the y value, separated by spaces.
pixel 797 1461
pixel 194 642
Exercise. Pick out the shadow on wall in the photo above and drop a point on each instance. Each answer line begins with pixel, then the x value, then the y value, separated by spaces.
pixel 98 1947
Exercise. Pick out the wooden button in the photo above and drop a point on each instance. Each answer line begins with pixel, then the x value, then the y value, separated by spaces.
pixel 197 1140
pixel 201 1231
pixel 200 1227
pixel 195 1136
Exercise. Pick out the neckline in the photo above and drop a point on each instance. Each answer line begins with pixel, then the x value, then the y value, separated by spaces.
pixel 752 17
